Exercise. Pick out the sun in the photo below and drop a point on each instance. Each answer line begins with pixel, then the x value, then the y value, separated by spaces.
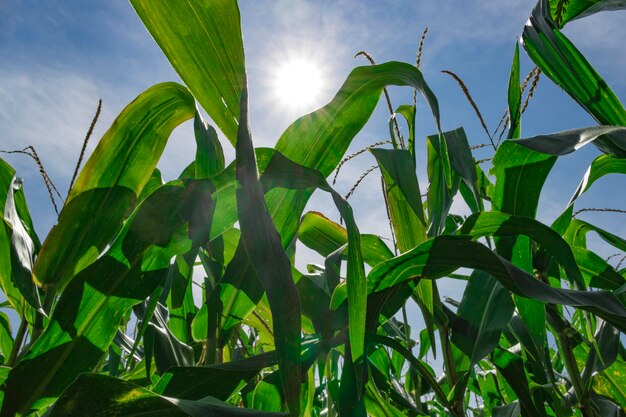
pixel 299 83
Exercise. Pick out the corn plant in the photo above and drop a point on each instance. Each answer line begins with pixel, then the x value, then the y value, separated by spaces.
pixel 108 324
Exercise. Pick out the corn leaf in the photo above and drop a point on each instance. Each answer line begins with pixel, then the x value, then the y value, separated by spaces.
pixel 563 11
pixel 100 395
pixel 442 255
pixel 559 59
pixel 515 98
pixel 109 185
pixel 566 142
pixel 601 166
pixel 325 236
pixel 263 247
pixel 202 40
pixel 89 311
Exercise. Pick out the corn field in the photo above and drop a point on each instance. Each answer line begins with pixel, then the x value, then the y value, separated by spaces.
pixel 108 324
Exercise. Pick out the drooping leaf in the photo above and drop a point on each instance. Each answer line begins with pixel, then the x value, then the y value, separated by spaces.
pixel 319 139
pixel 596 271
pixel 498 224
pixel 109 184
pixel 565 11
pixel 563 143
pixel 22 249
pixel 202 40
pixel 442 255
pixel 601 166
pixel 559 59
pixel 462 162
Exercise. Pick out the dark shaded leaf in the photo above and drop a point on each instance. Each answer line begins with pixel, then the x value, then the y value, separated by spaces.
pixel 263 247
pixel 488 321
pixel 100 395
pixel 89 311
pixel 443 254
pixel 563 143
pixel 219 381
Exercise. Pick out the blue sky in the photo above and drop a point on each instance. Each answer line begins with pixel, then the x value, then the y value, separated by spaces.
pixel 59 56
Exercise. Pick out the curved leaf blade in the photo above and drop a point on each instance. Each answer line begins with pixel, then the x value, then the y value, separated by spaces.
pixel 108 186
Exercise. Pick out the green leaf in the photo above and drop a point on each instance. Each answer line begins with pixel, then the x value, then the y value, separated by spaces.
pixel 442 255
pixel 267 394
pixel 563 11
pixel 559 59
pixel 325 236
pixel 9 288
pixel 511 367
pixel 219 381
pixel 209 153
pixel 108 186
pixel 100 395
pixel 202 40
pixel 462 162
pixel 168 350
pixel 22 249
pixel 403 196
pixel 494 223
pixel 422 368
pixel 91 307
pixel 601 166
pixel 609 139
pixel 6 338
pixel 576 235
pixel 377 406
pixel 596 271
pixel 488 321
pixel 515 98
pixel 320 139
pixel 262 243
pixel 408 112
pixel 439 195
pixel 520 174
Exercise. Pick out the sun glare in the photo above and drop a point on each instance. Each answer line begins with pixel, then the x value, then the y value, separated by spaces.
pixel 298 83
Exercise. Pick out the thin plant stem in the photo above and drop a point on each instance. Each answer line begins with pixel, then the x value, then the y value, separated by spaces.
pixel 418 61
pixel 383 186
pixel 532 89
pixel 84 147
pixel 355 154
pixel 30 151
pixel 361 178
pixel 472 103
pixel 605 210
